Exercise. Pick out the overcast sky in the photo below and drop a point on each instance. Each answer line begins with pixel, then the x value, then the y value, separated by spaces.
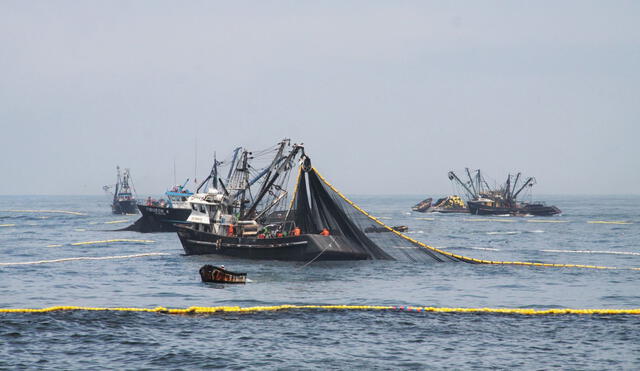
pixel 386 95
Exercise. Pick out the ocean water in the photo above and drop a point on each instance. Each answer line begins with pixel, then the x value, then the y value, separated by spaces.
pixel 45 261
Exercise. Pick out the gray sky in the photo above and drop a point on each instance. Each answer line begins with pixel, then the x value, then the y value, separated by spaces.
pixel 387 96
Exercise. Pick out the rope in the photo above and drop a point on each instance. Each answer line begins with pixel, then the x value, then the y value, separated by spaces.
pixel 117 240
pixel 230 309
pixel 85 258
pixel 608 222
pixel 321 252
pixel 456 256
pixel 44 211
pixel 110 241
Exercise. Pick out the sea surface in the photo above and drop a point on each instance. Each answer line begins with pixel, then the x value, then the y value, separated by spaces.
pixel 44 262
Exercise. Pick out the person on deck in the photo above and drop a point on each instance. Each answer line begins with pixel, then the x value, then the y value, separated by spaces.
pixel 325 232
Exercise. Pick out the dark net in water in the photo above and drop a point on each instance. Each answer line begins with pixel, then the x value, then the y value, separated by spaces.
pixel 317 205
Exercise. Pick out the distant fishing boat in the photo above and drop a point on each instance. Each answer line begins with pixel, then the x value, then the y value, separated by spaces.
pixel 445 205
pixel 124 201
pixel 503 200
pixel 161 215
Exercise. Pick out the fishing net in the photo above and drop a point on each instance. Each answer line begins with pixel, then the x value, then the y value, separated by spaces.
pixel 318 205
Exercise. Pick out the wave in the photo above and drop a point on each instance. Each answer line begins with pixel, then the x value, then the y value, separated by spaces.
pixel 467 248
pixel 594 252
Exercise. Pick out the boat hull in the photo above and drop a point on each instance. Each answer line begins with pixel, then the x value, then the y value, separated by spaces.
pixel 448 210
pixel 161 219
pixel 427 206
pixel 124 207
pixel 209 273
pixel 527 209
pixel 305 247
pixel 423 206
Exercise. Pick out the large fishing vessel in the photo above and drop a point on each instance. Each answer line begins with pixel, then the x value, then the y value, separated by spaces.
pixel 503 200
pixel 124 201
pixel 254 214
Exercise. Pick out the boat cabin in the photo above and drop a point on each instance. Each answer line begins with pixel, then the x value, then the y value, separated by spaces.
pixel 178 200
pixel 209 212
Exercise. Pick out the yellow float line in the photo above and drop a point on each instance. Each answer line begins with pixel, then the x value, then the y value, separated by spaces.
pixel 44 211
pixel 86 258
pixel 460 257
pixel 116 221
pixel 547 221
pixel 425 218
pixel 229 309
pixel 605 222
pixel 7 225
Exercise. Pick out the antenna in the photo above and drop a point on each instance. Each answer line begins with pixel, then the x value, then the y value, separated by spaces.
pixel 195 166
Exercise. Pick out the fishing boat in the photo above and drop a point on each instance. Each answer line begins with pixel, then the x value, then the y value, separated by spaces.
pixel 162 215
pixel 256 214
pixel 423 206
pixel 123 200
pixel 444 205
pixel 503 200
pixel 232 220
pixel 210 273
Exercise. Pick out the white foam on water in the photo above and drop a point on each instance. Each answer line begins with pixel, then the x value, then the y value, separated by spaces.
pixel 594 252
pixel 85 258
pixel 482 248
pixel 466 247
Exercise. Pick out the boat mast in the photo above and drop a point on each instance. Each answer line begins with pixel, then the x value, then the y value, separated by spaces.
pixel 479 181
pixel 453 176
pixel 245 180
pixel 285 165
pixel 506 191
pixel 513 188
pixel 530 182
pixel 214 174
pixel 115 194
pixel 233 163
pixel 471 181
pixel 269 171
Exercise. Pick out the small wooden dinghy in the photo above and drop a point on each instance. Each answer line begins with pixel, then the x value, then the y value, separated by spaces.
pixel 210 273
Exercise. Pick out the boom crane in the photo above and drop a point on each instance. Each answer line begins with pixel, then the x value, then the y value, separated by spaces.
pixel 470 193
